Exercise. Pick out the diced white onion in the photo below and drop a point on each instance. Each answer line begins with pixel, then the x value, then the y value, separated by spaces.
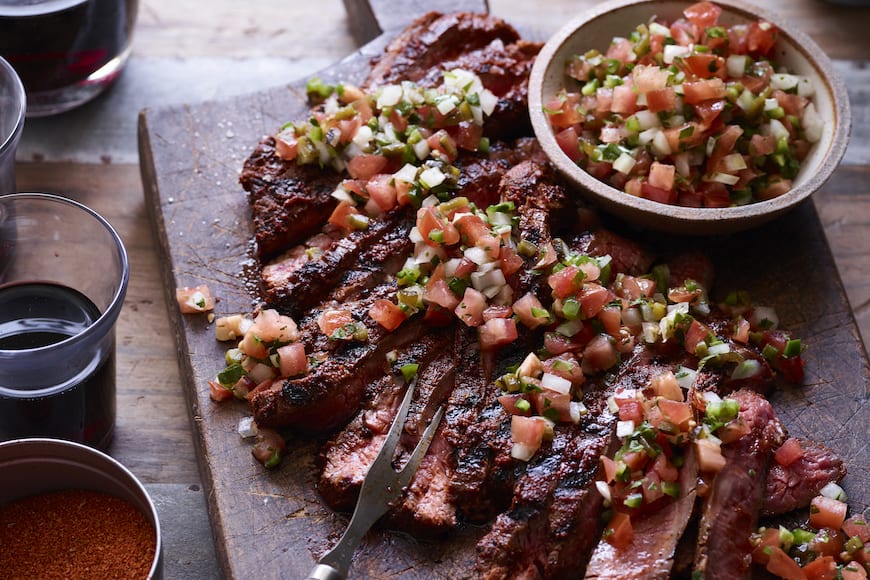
pixel 611 405
pixel 432 177
pixel 341 194
pixel 421 149
pixel 430 201
pixel 363 137
pixel 725 178
pixel 577 409
pixel 476 255
pixel 681 162
pixel 784 82
pixel 672 51
pixel 523 452
pixel 247 427
pixel 736 65
pixel 746 370
pixel 450 267
pixel 660 145
pixel 530 367
pixel 656 29
pixel 734 162
pixel 805 87
pixel 624 429
pixel 834 491
pixel 570 327
pixel 488 101
pixel 556 383
pixel 770 104
pixel 744 101
pixel 483 280
pixel 721 348
pixel 764 317
pixel 445 104
pixel 778 130
pixel 492 291
pixel 604 490
pixel 647 136
pixel 415 236
pixel 711 397
pixel 647 119
pixel 389 96
pixel 685 377
pixel 812 123
pixel 624 163
pixel 407 173
pixel 650 332
pixel 426 253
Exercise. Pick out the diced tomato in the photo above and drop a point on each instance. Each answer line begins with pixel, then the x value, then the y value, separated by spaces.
pixel 853 571
pixel 474 232
pixel 509 402
pixel 611 319
pixel 619 532
pixel 826 512
pixel 438 315
pixel 676 412
pixel 827 542
pixel 569 142
pixel 470 309
pixel 661 100
pixel 649 78
pixel 789 452
pixel 699 91
pixel 443 143
pixel 775 188
pixel 703 14
pixel 610 468
pixel 554 406
pixel 438 292
pixel 566 282
pixel 783 566
pixel 286 146
pixel 664 468
pixel 566 366
pixel 741 330
pixel 294 361
pixel 695 334
pixel 857 526
pixel 631 410
pixel 496 311
pixel 527 430
pixel 823 568
pixel 193 300
pixel 366 166
pixel 651 486
pixel 524 309
pixel 624 100
pixel 509 260
pixel 348 128
pixel 706 66
pixel 657 194
pixel 769 539
pixel 564 111
pixel 387 314
pixel 600 354
pixel 593 298
pixel 269 448
pixel 761 38
pixel 403 191
pixel 710 458
pixel 219 393
pixel 429 221
pixel 634 287
pixel 661 175
pixel 684 32
pixel 467 135
pixel 621 50
pixel 381 191
pixel 762 144
pixel 340 216
pixel 714 194
pixel 331 320
pixel 497 332
pixel 708 112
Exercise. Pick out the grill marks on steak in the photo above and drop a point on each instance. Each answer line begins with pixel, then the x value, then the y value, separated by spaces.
pixel 331 392
pixel 346 458
pixel 731 509
pixel 289 202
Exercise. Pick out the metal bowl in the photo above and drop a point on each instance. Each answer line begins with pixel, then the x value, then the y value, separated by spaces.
pixel 32 466
pixel 794 50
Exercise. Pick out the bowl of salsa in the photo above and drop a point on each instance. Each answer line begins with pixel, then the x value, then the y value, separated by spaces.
pixel 689 117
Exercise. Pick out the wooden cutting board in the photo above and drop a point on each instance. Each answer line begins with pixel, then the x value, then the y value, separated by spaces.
pixel 271 524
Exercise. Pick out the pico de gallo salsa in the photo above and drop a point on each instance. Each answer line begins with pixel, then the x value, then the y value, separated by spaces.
pixel 689 113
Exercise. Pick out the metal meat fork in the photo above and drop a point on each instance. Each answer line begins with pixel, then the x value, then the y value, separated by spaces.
pixel 381 487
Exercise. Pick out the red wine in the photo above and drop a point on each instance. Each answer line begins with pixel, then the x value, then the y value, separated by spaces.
pixel 36 315
pixel 57 43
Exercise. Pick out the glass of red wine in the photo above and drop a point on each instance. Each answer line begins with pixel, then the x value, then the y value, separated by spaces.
pixel 66 51
pixel 63 278
pixel 12 110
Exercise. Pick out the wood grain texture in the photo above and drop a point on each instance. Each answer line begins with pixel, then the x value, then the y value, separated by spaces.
pixel 272 524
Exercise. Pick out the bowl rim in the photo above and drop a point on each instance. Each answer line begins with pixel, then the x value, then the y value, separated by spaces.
pixel 612 197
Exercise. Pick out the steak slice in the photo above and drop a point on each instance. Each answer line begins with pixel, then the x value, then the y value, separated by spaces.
pixel 653 548
pixel 433 39
pixel 794 486
pixel 289 202
pixel 331 393
pixel 358 260
pixel 346 458
pixel 732 507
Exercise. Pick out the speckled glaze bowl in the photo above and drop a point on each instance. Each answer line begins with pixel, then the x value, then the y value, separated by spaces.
pixel 794 50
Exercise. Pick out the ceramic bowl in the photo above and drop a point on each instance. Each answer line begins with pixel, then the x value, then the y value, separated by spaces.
pixel 794 50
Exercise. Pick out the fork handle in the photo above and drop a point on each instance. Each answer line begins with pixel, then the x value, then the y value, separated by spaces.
pixel 324 572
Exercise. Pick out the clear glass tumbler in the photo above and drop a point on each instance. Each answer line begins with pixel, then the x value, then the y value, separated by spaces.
pixel 66 51
pixel 62 285
pixel 12 110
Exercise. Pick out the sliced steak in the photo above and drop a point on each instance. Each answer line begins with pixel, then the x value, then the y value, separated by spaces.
pixel 656 536
pixel 360 259
pixel 732 506
pixel 433 39
pixel 346 458
pixel 627 256
pixel 289 202
pixel 793 487
pixel 331 393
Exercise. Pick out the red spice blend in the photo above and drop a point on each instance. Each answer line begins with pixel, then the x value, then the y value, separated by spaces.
pixel 75 534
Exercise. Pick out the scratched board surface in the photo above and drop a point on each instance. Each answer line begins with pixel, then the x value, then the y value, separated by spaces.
pixel 272 523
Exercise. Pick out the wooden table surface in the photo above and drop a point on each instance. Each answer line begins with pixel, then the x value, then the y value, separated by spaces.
pixel 183 54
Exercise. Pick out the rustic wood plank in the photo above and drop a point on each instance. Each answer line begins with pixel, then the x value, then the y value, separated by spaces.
pixel 369 19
